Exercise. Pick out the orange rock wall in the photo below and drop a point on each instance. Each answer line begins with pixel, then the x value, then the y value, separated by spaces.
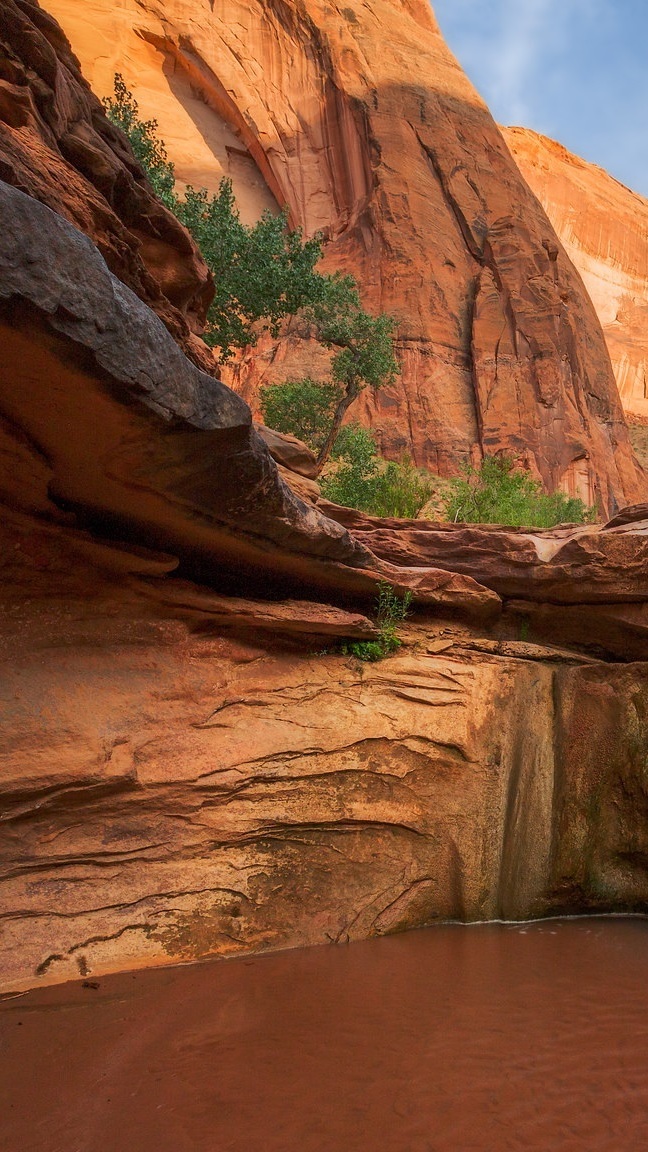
pixel 110 38
pixel 604 228
pixel 360 119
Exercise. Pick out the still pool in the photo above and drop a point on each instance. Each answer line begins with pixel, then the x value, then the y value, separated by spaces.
pixel 481 1039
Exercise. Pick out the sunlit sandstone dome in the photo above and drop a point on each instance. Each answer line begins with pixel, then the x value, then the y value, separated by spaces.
pixel 359 118
pixel 604 228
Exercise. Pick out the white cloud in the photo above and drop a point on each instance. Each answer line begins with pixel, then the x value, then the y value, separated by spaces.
pixel 525 27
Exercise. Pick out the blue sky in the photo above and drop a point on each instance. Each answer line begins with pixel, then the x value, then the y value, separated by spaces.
pixel 576 70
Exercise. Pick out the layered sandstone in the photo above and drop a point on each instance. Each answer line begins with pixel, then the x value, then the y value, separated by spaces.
pixel 359 119
pixel 186 772
pixel 171 792
pixel 581 585
pixel 604 228
pixel 119 430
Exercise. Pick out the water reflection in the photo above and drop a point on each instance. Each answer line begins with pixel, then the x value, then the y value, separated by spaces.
pixel 488 1038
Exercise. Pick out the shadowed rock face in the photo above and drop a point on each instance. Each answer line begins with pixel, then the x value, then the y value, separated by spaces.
pixel 357 116
pixel 142 445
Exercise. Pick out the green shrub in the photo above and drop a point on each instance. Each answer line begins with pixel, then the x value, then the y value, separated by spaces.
pixel 362 480
pixel 391 610
pixel 400 490
pixel 498 493
pixel 303 408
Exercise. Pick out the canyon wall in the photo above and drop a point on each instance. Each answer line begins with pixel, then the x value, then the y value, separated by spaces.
pixel 173 790
pixel 185 773
pixel 361 121
pixel 604 228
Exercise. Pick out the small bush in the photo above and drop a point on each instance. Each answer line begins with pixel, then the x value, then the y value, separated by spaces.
pixel 362 480
pixel 390 612
pixel 498 493
pixel 400 490
pixel 303 408
pixel 366 650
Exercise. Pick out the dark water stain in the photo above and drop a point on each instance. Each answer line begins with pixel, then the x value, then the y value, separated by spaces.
pixel 450 1039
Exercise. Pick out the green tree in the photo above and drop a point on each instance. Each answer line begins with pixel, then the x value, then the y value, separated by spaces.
pixel 265 273
pixel 499 493
pixel 304 408
pixel 363 344
pixel 262 273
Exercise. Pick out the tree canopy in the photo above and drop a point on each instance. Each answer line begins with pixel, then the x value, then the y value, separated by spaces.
pixel 264 274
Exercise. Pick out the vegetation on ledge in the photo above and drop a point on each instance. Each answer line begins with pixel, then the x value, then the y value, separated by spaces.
pixel 499 493
pixel 265 274
pixel 391 611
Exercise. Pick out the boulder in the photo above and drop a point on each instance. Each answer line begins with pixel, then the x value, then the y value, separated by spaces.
pixel 291 453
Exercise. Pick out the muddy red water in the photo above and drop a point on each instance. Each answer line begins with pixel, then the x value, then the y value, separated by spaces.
pixel 485 1038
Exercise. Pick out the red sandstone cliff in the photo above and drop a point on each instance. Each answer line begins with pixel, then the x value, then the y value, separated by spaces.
pixel 360 119
pixel 604 228
pixel 183 772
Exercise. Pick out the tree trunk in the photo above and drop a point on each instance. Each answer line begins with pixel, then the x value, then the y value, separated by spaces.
pixel 345 403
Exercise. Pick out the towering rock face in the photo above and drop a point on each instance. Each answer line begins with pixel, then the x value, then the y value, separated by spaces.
pixel 604 228
pixel 358 117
